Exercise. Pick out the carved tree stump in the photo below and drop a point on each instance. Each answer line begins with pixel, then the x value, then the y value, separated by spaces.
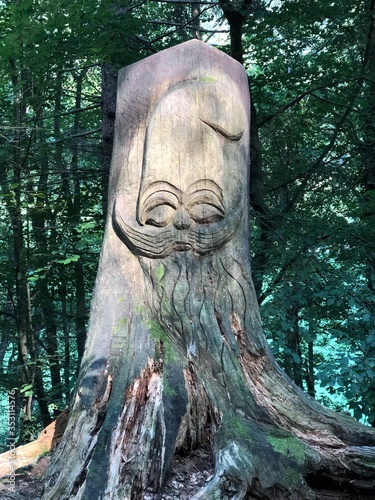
pixel 175 342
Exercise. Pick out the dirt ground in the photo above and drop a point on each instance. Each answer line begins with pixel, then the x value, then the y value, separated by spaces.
pixel 189 474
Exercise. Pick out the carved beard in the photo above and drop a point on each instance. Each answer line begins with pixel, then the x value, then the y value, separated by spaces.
pixel 190 295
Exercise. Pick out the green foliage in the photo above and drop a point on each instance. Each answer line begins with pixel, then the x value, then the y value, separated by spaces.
pixel 26 390
pixel 29 429
pixel 312 242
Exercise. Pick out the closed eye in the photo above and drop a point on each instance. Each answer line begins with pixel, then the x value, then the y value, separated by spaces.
pixel 160 216
pixel 204 213
pixel 224 132
pixel 159 208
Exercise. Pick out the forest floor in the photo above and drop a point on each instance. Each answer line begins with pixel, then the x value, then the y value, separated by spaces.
pixel 189 474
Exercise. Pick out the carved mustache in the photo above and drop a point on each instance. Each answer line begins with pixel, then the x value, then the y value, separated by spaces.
pixel 164 228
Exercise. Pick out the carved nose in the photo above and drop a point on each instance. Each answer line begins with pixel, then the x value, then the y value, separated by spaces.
pixel 181 220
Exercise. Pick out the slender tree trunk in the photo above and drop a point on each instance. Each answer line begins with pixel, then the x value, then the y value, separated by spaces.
pixel 234 13
pixel 41 217
pixel 310 367
pixel 75 216
pixel 292 356
pixel 195 14
pixel 40 392
pixel 66 336
pixel 23 307
pixel 109 88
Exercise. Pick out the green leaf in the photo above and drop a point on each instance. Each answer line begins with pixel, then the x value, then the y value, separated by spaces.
pixel 68 260
pixel 26 388
pixel 296 358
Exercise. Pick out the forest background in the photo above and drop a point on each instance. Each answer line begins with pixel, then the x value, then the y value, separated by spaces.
pixel 311 67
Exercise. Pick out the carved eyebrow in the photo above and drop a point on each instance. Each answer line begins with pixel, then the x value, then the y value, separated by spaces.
pixel 157 188
pixel 222 131
pixel 160 186
pixel 161 195
pixel 202 196
pixel 155 199
pixel 205 185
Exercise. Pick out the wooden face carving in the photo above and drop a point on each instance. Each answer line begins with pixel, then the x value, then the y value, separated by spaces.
pixel 191 192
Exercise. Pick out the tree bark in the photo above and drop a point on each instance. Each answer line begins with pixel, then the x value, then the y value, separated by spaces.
pixel 40 217
pixel 108 98
pixel 13 197
pixel 234 14
pixel 175 340
pixel 75 215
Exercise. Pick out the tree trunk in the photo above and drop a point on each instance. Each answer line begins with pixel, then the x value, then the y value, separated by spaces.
pixel 40 218
pixel 109 87
pixel 175 340
pixel 195 15
pixel 75 216
pixel 234 14
pixel 12 191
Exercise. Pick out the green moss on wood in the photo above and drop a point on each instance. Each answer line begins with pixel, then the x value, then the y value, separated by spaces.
pixel 168 390
pixel 233 426
pixel 121 324
pixel 164 349
pixel 208 79
pixel 291 477
pixel 159 336
pixel 366 461
pixel 160 272
pixel 290 447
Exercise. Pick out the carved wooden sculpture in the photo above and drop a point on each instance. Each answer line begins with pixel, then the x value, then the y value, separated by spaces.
pixel 175 341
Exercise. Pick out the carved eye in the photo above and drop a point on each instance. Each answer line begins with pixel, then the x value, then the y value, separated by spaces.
pixel 159 208
pixel 204 213
pixel 205 206
pixel 160 216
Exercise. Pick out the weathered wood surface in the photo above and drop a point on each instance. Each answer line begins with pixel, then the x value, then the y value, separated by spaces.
pixel 175 343
pixel 27 454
